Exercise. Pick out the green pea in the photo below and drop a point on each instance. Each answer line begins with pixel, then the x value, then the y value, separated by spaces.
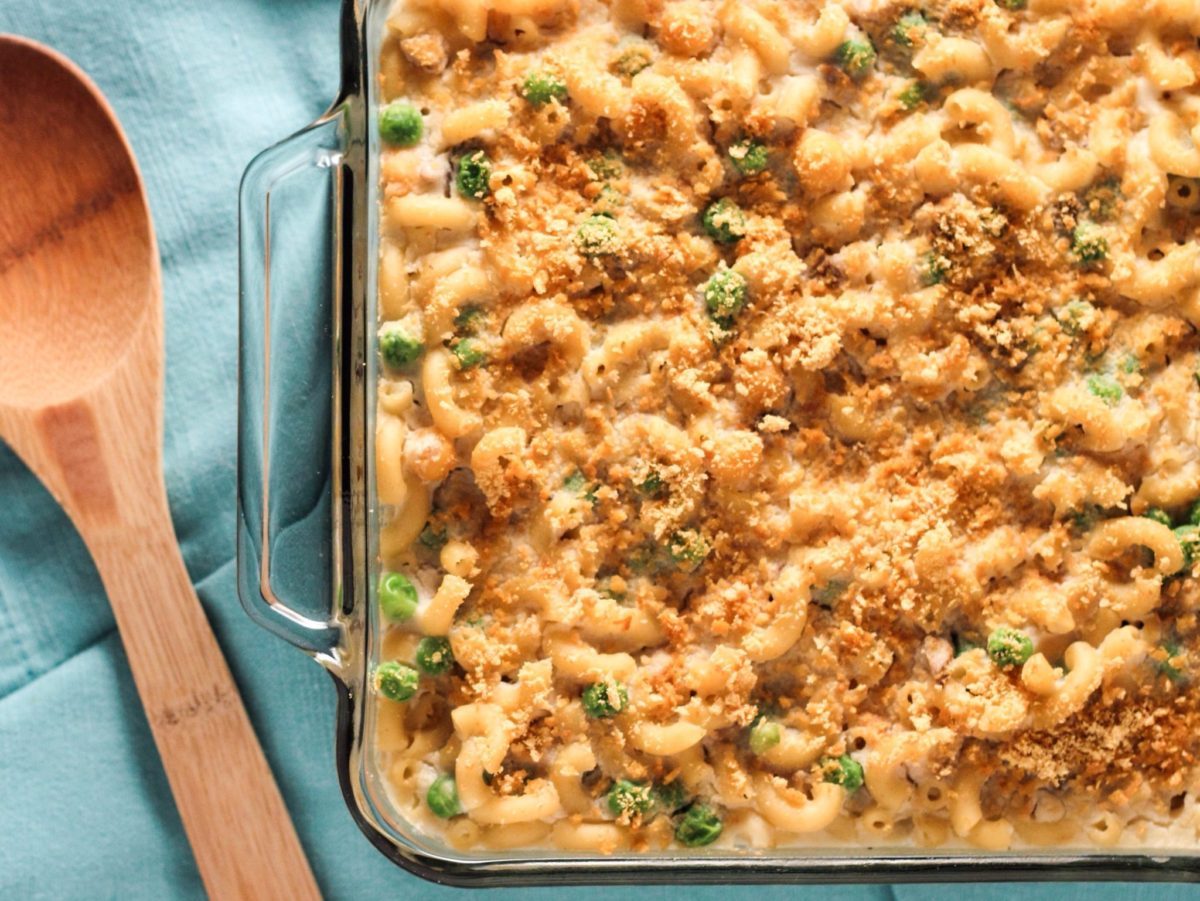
pixel 468 353
pixel 633 60
pixel 442 797
pixel 699 826
pixel 844 771
pixel 933 269
pixel 1189 542
pixel 856 58
pixel 1193 516
pixel 1101 199
pixel 1084 519
pixel 434 656
pixel 598 236
pixel 1158 514
pixel 627 797
pixel 909 28
pixel 1088 244
pixel 474 174
pixel 1107 389
pixel 542 87
pixel 827 594
pixel 605 586
pixel 1075 317
pixel 1171 650
pixel 397 597
pixel 652 486
pixel 400 123
pixel 602 700
pixel 671 795
pixel 1008 647
pixel 648 558
pixel 749 157
pixel 466 320
pixel 688 548
pixel 605 167
pixel 577 483
pixel 725 295
pixel 609 201
pixel 764 735
pixel 916 93
pixel 396 681
pixel 724 221
pixel 434 539
pixel 397 348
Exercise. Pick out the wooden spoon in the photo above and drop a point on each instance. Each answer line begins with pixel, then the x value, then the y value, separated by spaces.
pixel 81 379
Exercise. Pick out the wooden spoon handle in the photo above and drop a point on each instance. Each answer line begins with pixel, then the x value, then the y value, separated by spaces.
pixel 239 829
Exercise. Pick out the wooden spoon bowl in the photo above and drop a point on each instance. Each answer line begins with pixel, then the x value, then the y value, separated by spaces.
pixel 65 164
pixel 81 402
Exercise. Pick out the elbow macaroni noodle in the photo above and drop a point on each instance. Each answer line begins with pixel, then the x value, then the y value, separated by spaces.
pixel 797 438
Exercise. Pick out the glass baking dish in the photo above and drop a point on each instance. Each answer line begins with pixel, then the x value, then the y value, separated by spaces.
pixel 306 519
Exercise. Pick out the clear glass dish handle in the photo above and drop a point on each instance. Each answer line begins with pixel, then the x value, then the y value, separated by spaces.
pixel 290 209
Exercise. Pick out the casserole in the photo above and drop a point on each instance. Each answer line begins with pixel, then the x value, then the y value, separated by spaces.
pixel 339 151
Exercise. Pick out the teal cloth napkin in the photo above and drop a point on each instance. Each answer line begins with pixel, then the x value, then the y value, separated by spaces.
pixel 85 811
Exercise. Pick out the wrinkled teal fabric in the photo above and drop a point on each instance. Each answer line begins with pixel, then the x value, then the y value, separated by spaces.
pixel 85 812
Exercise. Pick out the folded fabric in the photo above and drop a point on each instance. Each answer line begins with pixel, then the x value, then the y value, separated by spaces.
pixel 86 811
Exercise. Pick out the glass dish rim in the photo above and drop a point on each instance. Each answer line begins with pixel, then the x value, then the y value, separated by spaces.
pixel 355 249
